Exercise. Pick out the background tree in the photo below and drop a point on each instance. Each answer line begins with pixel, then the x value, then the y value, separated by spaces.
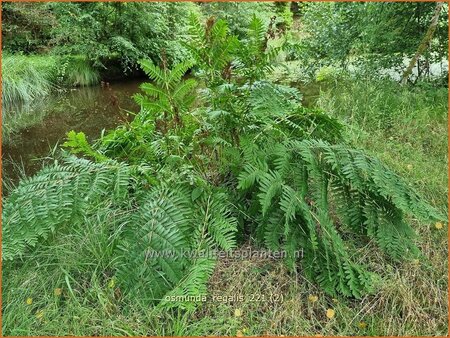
pixel 373 36
pixel 424 43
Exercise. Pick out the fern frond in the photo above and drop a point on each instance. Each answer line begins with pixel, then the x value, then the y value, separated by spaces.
pixel 297 183
pixel 196 29
pixel 57 196
pixel 216 218
pixel 192 285
pixel 256 29
pixel 182 93
pixel 153 91
pixel 270 186
pixel 178 71
pixel 154 238
pixel 153 72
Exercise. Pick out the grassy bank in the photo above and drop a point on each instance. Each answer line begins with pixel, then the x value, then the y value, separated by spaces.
pixel 404 126
pixel 25 78
pixel 66 288
pixel 29 77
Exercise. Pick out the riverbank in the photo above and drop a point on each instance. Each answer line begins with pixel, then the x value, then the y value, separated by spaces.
pixel 29 77
pixel 29 80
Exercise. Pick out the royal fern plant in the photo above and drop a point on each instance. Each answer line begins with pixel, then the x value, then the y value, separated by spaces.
pixel 179 180
pixel 256 58
pixel 168 97
pixel 213 48
pixel 311 195
pixel 166 232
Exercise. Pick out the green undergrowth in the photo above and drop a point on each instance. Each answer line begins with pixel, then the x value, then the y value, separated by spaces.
pixel 229 161
pixel 404 126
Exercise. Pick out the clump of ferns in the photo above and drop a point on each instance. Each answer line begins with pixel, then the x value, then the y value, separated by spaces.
pixel 250 162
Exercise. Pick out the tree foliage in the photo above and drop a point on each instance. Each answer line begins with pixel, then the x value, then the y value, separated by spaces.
pixel 373 35
pixel 106 33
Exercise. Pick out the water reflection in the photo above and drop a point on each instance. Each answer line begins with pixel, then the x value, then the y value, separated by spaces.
pixel 88 109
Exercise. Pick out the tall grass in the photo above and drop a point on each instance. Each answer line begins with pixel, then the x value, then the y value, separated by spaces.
pixel 78 72
pixel 27 77
pixel 405 126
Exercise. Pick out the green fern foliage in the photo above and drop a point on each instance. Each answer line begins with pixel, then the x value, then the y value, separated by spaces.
pixel 274 108
pixel 168 97
pixel 153 239
pixel 167 240
pixel 169 243
pixel 312 193
pixel 255 57
pixel 183 183
pixel 213 48
pixel 56 197
pixel 77 143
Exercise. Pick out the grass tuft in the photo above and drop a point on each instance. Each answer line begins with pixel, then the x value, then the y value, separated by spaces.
pixel 25 78
pixel 28 77
pixel 78 72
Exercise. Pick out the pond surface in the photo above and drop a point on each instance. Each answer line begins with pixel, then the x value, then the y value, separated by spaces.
pixel 86 109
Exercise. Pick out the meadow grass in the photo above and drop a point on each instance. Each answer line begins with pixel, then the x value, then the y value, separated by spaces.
pixel 73 293
pixel 406 127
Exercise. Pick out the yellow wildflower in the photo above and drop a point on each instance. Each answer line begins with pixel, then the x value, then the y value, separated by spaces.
pixel 362 325
pixel 237 312
pixel 29 301
pixel 57 292
pixel 438 225
pixel 312 298
pixel 330 313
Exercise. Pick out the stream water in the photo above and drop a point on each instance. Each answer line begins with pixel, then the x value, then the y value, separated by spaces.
pixel 86 109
